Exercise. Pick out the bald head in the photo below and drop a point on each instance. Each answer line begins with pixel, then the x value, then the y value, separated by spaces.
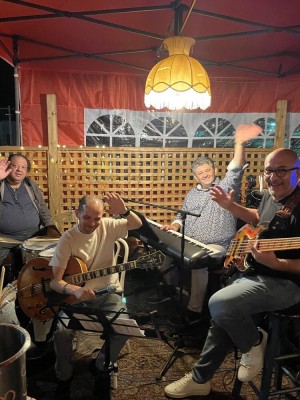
pixel 284 156
pixel 282 173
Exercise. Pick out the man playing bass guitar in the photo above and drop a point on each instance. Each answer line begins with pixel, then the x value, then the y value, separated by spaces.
pixel 273 283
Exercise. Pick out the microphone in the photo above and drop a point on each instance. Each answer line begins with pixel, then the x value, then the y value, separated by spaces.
pixel 112 288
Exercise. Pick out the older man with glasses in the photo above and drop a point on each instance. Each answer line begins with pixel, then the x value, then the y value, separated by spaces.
pixel 270 280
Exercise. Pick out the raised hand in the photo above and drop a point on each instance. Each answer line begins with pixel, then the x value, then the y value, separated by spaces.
pixel 225 200
pixel 5 168
pixel 115 202
pixel 245 132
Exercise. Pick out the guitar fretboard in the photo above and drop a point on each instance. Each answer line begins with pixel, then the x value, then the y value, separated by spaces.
pixel 78 279
pixel 264 244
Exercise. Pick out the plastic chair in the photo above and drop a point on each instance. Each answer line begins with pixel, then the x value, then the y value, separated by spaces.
pixel 121 256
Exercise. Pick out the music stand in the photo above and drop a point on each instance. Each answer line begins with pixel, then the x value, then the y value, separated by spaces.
pixel 80 317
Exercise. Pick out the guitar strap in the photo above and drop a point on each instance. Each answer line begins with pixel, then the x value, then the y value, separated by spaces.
pixel 282 216
pixel 286 210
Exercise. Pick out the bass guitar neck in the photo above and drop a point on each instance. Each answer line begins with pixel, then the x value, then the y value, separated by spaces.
pixel 241 245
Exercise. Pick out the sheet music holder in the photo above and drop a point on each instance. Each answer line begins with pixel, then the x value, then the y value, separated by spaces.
pixel 79 317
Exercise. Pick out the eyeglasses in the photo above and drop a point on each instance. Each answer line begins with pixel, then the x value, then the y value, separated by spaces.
pixel 280 172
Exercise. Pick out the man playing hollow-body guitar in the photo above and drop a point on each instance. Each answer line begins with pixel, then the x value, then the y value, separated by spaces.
pixel 91 240
pixel 274 283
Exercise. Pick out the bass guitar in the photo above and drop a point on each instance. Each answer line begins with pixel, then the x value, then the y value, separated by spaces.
pixel 38 301
pixel 243 241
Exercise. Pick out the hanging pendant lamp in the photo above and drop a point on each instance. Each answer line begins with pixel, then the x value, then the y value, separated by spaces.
pixel 179 81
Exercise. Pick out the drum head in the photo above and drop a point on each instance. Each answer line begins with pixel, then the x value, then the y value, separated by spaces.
pixel 48 253
pixel 33 247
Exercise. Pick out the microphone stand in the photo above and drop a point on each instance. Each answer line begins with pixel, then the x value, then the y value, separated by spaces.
pixel 183 214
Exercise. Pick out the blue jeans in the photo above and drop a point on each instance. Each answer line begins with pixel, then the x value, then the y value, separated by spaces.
pixel 232 309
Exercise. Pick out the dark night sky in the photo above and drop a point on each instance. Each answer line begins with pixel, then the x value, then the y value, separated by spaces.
pixel 7 91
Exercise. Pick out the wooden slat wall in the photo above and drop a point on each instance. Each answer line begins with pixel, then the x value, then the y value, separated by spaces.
pixel 161 177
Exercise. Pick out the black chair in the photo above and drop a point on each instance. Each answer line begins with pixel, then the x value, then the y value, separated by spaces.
pixel 281 370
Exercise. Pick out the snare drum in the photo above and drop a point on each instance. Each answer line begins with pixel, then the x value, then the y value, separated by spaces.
pixel 40 246
pixel 7 304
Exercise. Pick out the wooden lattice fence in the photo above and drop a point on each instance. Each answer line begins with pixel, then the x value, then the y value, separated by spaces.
pixel 160 177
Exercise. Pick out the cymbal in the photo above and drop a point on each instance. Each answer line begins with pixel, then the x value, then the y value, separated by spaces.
pixel 9 240
pixel 36 239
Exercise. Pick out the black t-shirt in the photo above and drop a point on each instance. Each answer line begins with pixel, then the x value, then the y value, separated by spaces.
pixel 278 227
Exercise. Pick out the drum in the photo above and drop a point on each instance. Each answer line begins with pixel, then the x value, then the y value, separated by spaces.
pixel 39 246
pixel 7 304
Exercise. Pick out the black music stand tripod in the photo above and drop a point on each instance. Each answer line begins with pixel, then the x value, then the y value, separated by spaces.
pixel 93 317
pixel 177 349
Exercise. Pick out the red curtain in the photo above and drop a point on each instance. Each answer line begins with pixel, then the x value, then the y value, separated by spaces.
pixel 76 91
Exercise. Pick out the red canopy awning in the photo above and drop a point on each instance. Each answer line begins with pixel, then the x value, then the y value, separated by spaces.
pixel 233 38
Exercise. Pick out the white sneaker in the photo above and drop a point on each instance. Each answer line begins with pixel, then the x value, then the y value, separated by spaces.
pixel 186 387
pixel 252 362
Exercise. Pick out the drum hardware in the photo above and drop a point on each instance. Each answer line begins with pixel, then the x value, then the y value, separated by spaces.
pixel 10 287
pixel 7 304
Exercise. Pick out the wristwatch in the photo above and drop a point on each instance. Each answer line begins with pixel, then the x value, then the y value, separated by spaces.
pixel 126 213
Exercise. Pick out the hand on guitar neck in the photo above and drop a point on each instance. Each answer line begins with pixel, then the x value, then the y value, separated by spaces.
pixel 247 240
pixel 39 301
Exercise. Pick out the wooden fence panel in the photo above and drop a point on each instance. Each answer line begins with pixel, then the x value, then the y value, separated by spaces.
pixel 158 176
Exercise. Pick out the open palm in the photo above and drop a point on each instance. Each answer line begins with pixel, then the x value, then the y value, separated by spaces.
pixel 245 132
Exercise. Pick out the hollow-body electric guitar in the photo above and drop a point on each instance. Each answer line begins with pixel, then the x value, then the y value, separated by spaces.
pixel 38 301
pixel 243 241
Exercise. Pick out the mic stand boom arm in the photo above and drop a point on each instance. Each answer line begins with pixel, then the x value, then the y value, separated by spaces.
pixel 182 212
